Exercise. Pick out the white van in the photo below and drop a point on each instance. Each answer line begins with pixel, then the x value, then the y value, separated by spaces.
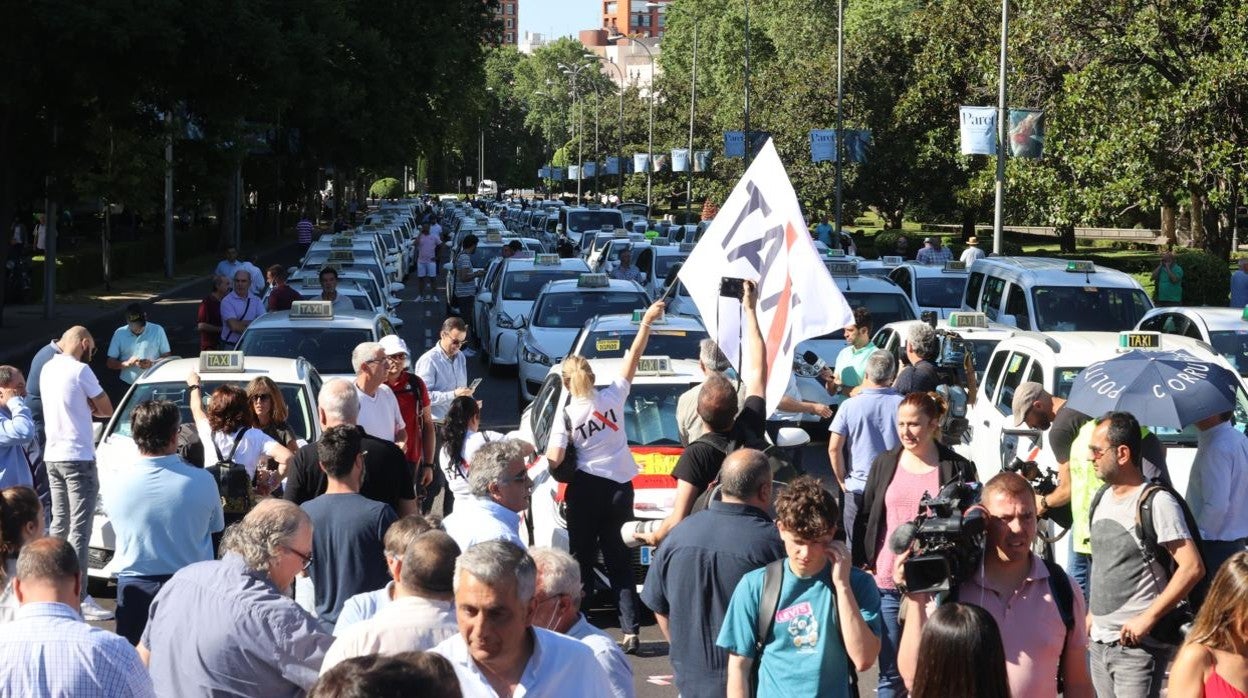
pixel 1043 294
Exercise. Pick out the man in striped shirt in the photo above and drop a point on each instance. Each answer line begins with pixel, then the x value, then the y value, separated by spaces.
pixel 304 231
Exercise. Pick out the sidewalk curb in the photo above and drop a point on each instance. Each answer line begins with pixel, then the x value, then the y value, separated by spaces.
pixel 13 353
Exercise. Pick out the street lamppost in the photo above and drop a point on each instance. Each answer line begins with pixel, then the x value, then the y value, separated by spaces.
pixel 573 72
pixel 747 85
pixel 840 95
pixel 650 137
pixel 693 91
pixel 619 149
pixel 1003 133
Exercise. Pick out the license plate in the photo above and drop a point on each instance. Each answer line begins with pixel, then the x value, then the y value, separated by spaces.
pixel 646 552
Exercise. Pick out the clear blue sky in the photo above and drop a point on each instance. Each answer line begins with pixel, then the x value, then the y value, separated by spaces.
pixel 553 18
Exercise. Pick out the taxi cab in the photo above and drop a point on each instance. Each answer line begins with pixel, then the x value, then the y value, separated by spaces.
pixel 960 332
pixel 489 247
pixel 649 421
pixel 298 380
pixel 656 260
pixel 342 259
pixel 886 301
pixel 561 309
pixel 1226 329
pixel 359 298
pixel 577 219
pixel 610 336
pixel 360 246
pixel 507 302
pixel 362 278
pixel 314 331
pixel 1054 295
pixel 933 287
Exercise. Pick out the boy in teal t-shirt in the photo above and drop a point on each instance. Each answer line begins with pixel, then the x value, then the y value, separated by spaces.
pixel 804 654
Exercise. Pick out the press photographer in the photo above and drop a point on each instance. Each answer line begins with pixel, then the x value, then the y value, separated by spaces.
pixel 1038 607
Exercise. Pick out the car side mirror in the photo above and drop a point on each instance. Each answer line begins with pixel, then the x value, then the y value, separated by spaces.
pixel 486 298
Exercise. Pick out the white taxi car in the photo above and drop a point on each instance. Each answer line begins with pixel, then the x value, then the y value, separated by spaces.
pixel 166 380
pixel 560 311
pixel 1054 295
pixel 1225 329
pixel 314 331
pixel 971 331
pixel 650 422
pixel 886 301
pixel 610 336
pixel 938 288
pixel 508 301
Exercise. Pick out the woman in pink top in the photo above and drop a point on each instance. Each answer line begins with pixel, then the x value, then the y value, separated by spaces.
pixel 897 482
pixel 1214 662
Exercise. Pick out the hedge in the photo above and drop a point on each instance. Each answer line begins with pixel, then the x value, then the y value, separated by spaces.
pixel 886 241
pixel 84 267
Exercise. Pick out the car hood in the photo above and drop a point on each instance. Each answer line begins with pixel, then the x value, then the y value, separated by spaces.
pixel 516 308
pixel 554 342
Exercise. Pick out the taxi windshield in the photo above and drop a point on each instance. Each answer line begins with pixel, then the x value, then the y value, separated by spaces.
pixel 1233 345
pixel 327 348
pixel 664 264
pixel 940 291
pixel 650 413
pixel 298 403
pixel 885 308
pixel 525 285
pixel 594 220
pixel 1087 308
pixel 677 344
pixel 573 309
pixel 484 253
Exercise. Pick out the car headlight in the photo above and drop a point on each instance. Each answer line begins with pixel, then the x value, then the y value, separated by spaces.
pixel 533 356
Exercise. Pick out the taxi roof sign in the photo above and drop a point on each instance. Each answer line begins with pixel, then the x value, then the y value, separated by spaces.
pixel 312 310
pixel 494 237
pixel 965 320
pixel 344 256
pixel 341 241
pixel 654 365
pixel 546 259
pixel 608 227
pixel 620 233
pixel 836 252
pixel 220 362
pixel 661 241
pixel 892 260
pixel 640 313
pixel 1081 266
pixel 592 281
pixel 1139 340
pixel 955 266
pixel 1245 315
pixel 843 268
pixel 687 246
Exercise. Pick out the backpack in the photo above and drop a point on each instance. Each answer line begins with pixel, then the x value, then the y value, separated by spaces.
pixel 768 604
pixel 566 470
pixel 781 469
pixel 1064 598
pixel 1170 629
pixel 233 482
pixel 189 446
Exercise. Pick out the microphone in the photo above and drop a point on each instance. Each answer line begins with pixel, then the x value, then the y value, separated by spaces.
pixel 901 539
pixel 813 359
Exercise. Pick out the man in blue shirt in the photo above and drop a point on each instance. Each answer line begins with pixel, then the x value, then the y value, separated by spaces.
pixel 137 345
pixel 163 510
pixel 695 570
pixel 864 427
pixel 1239 285
pixel 827 614
pixel 47 650
pixel 17 430
pixel 823 231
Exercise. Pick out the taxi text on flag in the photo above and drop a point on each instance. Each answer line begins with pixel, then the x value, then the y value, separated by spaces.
pixel 759 234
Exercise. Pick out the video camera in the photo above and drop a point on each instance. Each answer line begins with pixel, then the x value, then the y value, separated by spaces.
pixel 947 538
pixel 1043 481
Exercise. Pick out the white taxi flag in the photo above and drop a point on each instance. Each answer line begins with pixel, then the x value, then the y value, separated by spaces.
pixel 759 234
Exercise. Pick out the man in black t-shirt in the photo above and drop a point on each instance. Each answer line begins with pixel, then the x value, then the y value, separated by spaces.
pixel 387 476
pixel 725 430
pixel 921 376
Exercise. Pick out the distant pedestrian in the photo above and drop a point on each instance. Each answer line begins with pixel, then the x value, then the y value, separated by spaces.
pixel 901 247
pixel 365 605
pixel 21 523
pixel 499 487
pixel 557 607
pixel 303 233
pixel 972 253
pixel 379 410
pixel 498 651
pixel 72 396
pixel 1239 285
pixel 347 556
pixel 163 511
pixel 18 434
pixel 413 400
pixel 466 282
pixel 847 372
pixel 208 318
pixel 229 626
pixel 137 345
pixel 238 309
pixel 823 231
pixel 328 278
pixel 281 295
pixel 427 244
pixel 230 264
pixel 1168 276
pixel 422 613
pixel 47 650
pixel 934 251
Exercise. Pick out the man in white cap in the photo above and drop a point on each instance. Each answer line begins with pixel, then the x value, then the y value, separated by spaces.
pixel 934 252
pixel 413 398
pixel 972 251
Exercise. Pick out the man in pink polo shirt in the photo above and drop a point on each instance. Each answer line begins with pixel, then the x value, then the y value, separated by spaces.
pixel 1014 585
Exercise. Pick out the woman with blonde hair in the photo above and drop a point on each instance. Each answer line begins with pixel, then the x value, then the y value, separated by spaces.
pixel 269 414
pixel 600 496
pixel 1214 661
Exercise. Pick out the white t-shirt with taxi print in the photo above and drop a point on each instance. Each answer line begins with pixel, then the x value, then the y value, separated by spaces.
pixel 597 431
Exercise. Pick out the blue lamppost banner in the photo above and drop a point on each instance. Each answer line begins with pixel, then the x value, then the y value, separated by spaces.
pixel 612 166
pixel 641 162
pixel 557 174
pixel 590 169
pixel 856 144
pixel 701 161
pixel 822 145
pixel 979 130
pixel 543 173
pixel 680 159
pixel 734 144
pixel 660 162
pixel 1027 133
pixel 574 172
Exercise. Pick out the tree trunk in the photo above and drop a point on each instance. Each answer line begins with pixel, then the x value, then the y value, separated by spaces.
pixel 1168 227
pixel 1200 239
pixel 1066 237
pixel 7 196
pixel 968 223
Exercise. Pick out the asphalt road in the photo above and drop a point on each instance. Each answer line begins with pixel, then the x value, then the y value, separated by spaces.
pixel 651 669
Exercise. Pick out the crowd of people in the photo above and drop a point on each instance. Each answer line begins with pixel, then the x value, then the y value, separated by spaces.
pixel 320 569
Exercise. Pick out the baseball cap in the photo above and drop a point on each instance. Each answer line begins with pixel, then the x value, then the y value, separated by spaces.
pixel 393 344
pixel 1026 394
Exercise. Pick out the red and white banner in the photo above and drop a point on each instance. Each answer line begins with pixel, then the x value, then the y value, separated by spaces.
pixel 759 234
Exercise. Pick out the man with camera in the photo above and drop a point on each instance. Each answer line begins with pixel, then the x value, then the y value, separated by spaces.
pixel 1043 626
